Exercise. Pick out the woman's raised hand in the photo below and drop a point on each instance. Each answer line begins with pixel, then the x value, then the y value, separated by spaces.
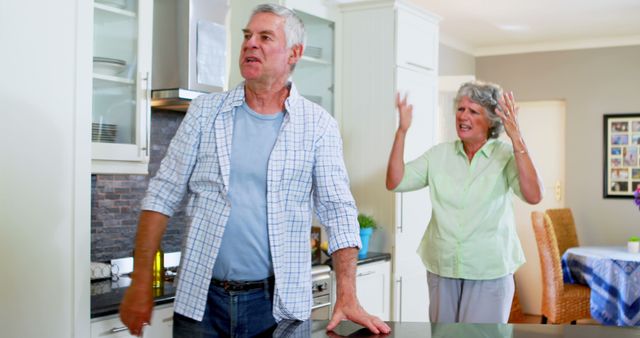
pixel 405 112
pixel 508 112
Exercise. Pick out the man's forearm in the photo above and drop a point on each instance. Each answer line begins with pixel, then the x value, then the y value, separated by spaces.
pixel 345 264
pixel 151 227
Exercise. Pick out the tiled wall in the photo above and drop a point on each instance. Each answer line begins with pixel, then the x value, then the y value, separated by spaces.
pixel 115 199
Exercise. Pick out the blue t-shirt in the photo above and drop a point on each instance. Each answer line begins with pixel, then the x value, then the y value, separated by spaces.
pixel 244 252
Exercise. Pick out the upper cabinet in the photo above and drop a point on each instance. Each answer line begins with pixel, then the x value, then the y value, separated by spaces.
pixel 122 42
pixel 314 73
pixel 417 39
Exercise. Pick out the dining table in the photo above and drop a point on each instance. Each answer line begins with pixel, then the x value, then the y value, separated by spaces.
pixel 613 274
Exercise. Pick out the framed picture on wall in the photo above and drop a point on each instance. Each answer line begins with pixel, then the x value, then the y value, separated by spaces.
pixel 621 151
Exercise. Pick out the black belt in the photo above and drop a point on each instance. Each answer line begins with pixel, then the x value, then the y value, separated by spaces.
pixel 230 285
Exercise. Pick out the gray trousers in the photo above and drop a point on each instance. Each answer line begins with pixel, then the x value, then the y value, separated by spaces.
pixel 453 300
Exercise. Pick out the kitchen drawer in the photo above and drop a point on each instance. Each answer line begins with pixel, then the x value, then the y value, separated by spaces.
pixel 112 327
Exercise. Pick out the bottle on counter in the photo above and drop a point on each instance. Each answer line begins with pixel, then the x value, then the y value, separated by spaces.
pixel 158 269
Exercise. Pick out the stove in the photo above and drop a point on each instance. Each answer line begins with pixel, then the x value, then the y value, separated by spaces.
pixel 322 292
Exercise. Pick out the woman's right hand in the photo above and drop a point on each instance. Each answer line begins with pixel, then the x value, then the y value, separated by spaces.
pixel 405 112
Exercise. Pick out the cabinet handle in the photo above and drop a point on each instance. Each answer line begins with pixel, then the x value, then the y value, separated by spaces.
pixel 399 282
pixel 147 114
pixel 399 227
pixel 419 66
pixel 118 329
pixel 361 274
pixel 320 305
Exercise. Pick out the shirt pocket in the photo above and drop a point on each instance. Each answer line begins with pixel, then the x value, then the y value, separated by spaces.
pixel 207 174
pixel 297 175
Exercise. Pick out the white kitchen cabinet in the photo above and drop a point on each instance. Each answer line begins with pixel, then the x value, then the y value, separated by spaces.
pixel 389 46
pixel 314 73
pixel 373 288
pixel 111 326
pixel 122 37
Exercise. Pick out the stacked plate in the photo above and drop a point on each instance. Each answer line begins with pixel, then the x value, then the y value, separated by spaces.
pixel 108 66
pixel 313 51
pixel 114 3
pixel 103 132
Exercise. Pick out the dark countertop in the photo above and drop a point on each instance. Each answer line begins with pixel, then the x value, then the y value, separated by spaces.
pixel 369 258
pixel 106 295
pixel 316 329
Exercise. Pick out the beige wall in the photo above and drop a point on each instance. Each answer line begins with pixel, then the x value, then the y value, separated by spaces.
pixel 455 62
pixel 593 82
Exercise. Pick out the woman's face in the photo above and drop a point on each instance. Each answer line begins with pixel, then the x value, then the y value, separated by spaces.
pixel 472 123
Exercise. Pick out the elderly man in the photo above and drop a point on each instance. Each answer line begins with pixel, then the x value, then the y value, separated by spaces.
pixel 255 161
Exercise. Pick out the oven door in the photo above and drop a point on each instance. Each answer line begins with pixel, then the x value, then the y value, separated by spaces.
pixel 321 309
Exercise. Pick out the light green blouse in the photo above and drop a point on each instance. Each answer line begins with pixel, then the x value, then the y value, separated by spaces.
pixel 472 232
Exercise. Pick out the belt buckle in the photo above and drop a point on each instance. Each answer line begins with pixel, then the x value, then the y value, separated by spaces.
pixel 226 285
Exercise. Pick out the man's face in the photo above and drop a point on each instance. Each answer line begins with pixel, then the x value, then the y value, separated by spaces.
pixel 264 55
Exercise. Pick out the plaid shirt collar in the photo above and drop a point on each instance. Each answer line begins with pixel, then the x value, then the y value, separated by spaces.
pixel 236 97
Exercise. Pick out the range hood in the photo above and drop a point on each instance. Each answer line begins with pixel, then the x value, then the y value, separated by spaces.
pixel 190 47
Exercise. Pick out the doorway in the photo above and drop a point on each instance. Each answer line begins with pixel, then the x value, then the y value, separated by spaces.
pixel 542 124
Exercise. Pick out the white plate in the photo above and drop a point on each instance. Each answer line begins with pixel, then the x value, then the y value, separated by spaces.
pixel 107 68
pixel 114 3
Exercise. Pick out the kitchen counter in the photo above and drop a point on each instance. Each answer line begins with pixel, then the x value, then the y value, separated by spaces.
pixel 316 329
pixel 369 258
pixel 106 295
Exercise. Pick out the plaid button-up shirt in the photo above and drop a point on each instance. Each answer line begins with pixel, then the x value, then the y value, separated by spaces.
pixel 305 170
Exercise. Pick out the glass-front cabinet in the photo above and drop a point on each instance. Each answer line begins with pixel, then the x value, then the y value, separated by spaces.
pixel 121 85
pixel 314 73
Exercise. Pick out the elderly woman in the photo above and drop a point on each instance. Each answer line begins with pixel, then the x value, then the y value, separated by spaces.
pixel 470 248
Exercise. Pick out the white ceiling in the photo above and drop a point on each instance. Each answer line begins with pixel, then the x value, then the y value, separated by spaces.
pixel 490 27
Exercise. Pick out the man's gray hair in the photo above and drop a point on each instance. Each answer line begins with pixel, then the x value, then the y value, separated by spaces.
pixel 487 95
pixel 293 25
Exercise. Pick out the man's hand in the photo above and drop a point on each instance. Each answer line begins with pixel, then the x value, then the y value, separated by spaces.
pixel 136 308
pixel 351 310
pixel 347 305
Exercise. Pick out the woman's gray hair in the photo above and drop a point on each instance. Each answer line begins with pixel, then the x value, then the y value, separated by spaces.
pixel 487 95
pixel 293 25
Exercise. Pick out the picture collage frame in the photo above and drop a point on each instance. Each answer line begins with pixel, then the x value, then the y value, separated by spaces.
pixel 621 152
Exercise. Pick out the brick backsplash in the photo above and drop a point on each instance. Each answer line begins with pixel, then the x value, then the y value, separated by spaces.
pixel 115 199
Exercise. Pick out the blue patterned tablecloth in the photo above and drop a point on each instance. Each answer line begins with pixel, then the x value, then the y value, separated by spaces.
pixel 613 275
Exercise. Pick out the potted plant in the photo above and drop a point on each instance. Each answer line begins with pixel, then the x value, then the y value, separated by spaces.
pixel 367 225
pixel 633 244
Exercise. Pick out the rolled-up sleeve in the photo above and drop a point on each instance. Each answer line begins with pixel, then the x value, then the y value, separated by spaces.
pixel 168 187
pixel 416 174
pixel 334 204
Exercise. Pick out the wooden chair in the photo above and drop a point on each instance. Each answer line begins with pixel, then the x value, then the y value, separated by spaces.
pixel 561 303
pixel 564 227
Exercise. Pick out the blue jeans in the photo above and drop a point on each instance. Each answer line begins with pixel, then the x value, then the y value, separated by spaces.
pixel 236 314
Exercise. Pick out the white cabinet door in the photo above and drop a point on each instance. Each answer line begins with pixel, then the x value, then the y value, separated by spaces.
pixel 373 288
pixel 415 207
pixel 161 322
pixel 121 86
pixel 417 37
pixel 112 327
pixel 411 302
